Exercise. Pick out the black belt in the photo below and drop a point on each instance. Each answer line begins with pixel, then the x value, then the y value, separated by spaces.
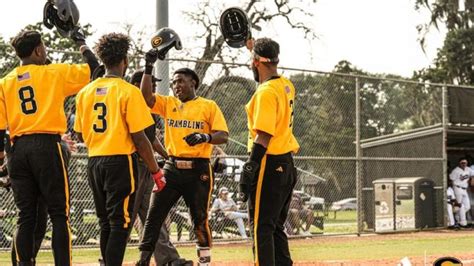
pixel 461 187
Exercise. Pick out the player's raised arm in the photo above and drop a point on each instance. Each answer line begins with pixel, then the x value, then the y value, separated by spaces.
pixel 161 41
pixel 146 85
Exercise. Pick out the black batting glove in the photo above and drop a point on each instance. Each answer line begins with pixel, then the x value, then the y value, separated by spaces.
pixel 77 35
pixel 151 56
pixel 197 138
pixel 247 176
pixel 250 170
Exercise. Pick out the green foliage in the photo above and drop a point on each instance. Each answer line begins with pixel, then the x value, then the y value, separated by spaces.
pixel 60 49
pixel 455 60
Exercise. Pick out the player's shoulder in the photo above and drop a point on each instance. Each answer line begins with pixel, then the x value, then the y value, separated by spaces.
pixel 10 75
pixel 207 102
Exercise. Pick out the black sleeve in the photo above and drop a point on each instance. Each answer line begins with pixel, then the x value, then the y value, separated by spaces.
pixel 2 140
pixel 90 59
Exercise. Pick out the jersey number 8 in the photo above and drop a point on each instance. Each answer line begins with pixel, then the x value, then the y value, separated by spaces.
pixel 28 103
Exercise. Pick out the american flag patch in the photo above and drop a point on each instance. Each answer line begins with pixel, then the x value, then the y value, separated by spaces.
pixel 24 76
pixel 287 89
pixel 101 91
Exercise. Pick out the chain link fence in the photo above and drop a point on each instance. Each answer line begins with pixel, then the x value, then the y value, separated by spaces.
pixel 352 129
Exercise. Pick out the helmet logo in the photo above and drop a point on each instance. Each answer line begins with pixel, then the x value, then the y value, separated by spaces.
pixel 156 41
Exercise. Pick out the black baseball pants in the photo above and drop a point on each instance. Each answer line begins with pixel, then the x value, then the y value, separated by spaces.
pixel 164 251
pixel 270 197
pixel 195 186
pixel 37 169
pixel 113 182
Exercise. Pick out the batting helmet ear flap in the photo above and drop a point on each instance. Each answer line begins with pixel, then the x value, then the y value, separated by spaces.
pixel 235 27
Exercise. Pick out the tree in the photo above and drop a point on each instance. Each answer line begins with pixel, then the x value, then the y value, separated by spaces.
pixel 455 60
pixel 60 49
pixel 259 13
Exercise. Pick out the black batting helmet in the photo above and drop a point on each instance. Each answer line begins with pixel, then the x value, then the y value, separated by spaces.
pixel 51 18
pixel 165 39
pixel 235 27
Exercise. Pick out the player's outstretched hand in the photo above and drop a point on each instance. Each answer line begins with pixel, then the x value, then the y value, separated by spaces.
pixel 151 56
pixel 197 138
pixel 77 35
pixel 160 181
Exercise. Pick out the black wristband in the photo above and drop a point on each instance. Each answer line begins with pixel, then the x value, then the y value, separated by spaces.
pixel 257 153
pixel 148 69
pixel 210 138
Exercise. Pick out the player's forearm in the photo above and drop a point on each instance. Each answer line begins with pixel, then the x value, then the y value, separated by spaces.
pixel 219 137
pixel 262 138
pixel 146 87
pixel 158 147
pixel 89 57
pixel 144 149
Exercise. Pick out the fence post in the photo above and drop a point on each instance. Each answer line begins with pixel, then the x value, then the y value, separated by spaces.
pixel 358 159
pixel 445 121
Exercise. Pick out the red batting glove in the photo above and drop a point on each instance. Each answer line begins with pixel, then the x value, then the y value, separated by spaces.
pixel 160 181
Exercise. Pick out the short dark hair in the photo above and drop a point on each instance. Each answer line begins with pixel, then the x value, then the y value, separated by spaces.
pixel 112 48
pixel 25 42
pixel 137 77
pixel 268 48
pixel 190 73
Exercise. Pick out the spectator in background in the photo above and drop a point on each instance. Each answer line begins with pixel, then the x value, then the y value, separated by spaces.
pixel 229 208
pixel 298 215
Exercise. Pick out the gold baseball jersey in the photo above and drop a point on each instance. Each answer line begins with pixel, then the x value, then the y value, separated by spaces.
pixel 271 110
pixel 181 119
pixel 32 97
pixel 108 110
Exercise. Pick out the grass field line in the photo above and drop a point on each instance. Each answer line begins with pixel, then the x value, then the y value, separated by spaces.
pixel 373 249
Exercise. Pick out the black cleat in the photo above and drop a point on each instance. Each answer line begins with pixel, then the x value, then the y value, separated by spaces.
pixel 180 262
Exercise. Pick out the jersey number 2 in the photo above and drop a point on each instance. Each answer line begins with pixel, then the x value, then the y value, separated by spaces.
pixel 101 117
pixel 28 103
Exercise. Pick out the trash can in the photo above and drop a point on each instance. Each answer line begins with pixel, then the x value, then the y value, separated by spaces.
pixel 384 200
pixel 414 203
pixel 405 203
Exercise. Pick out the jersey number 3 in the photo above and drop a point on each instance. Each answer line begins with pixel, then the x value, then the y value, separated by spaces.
pixel 28 103
pixel 101 116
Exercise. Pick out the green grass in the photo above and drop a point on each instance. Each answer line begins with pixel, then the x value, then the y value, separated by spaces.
pixel 318 249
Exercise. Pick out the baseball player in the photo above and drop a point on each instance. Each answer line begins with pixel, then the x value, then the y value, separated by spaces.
pixel 460 178
pixel 269 176
pixel 110 118
pixel 31 106
pixel 192 125
pixel 165 253
pixel 453 207
pixel 67 146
